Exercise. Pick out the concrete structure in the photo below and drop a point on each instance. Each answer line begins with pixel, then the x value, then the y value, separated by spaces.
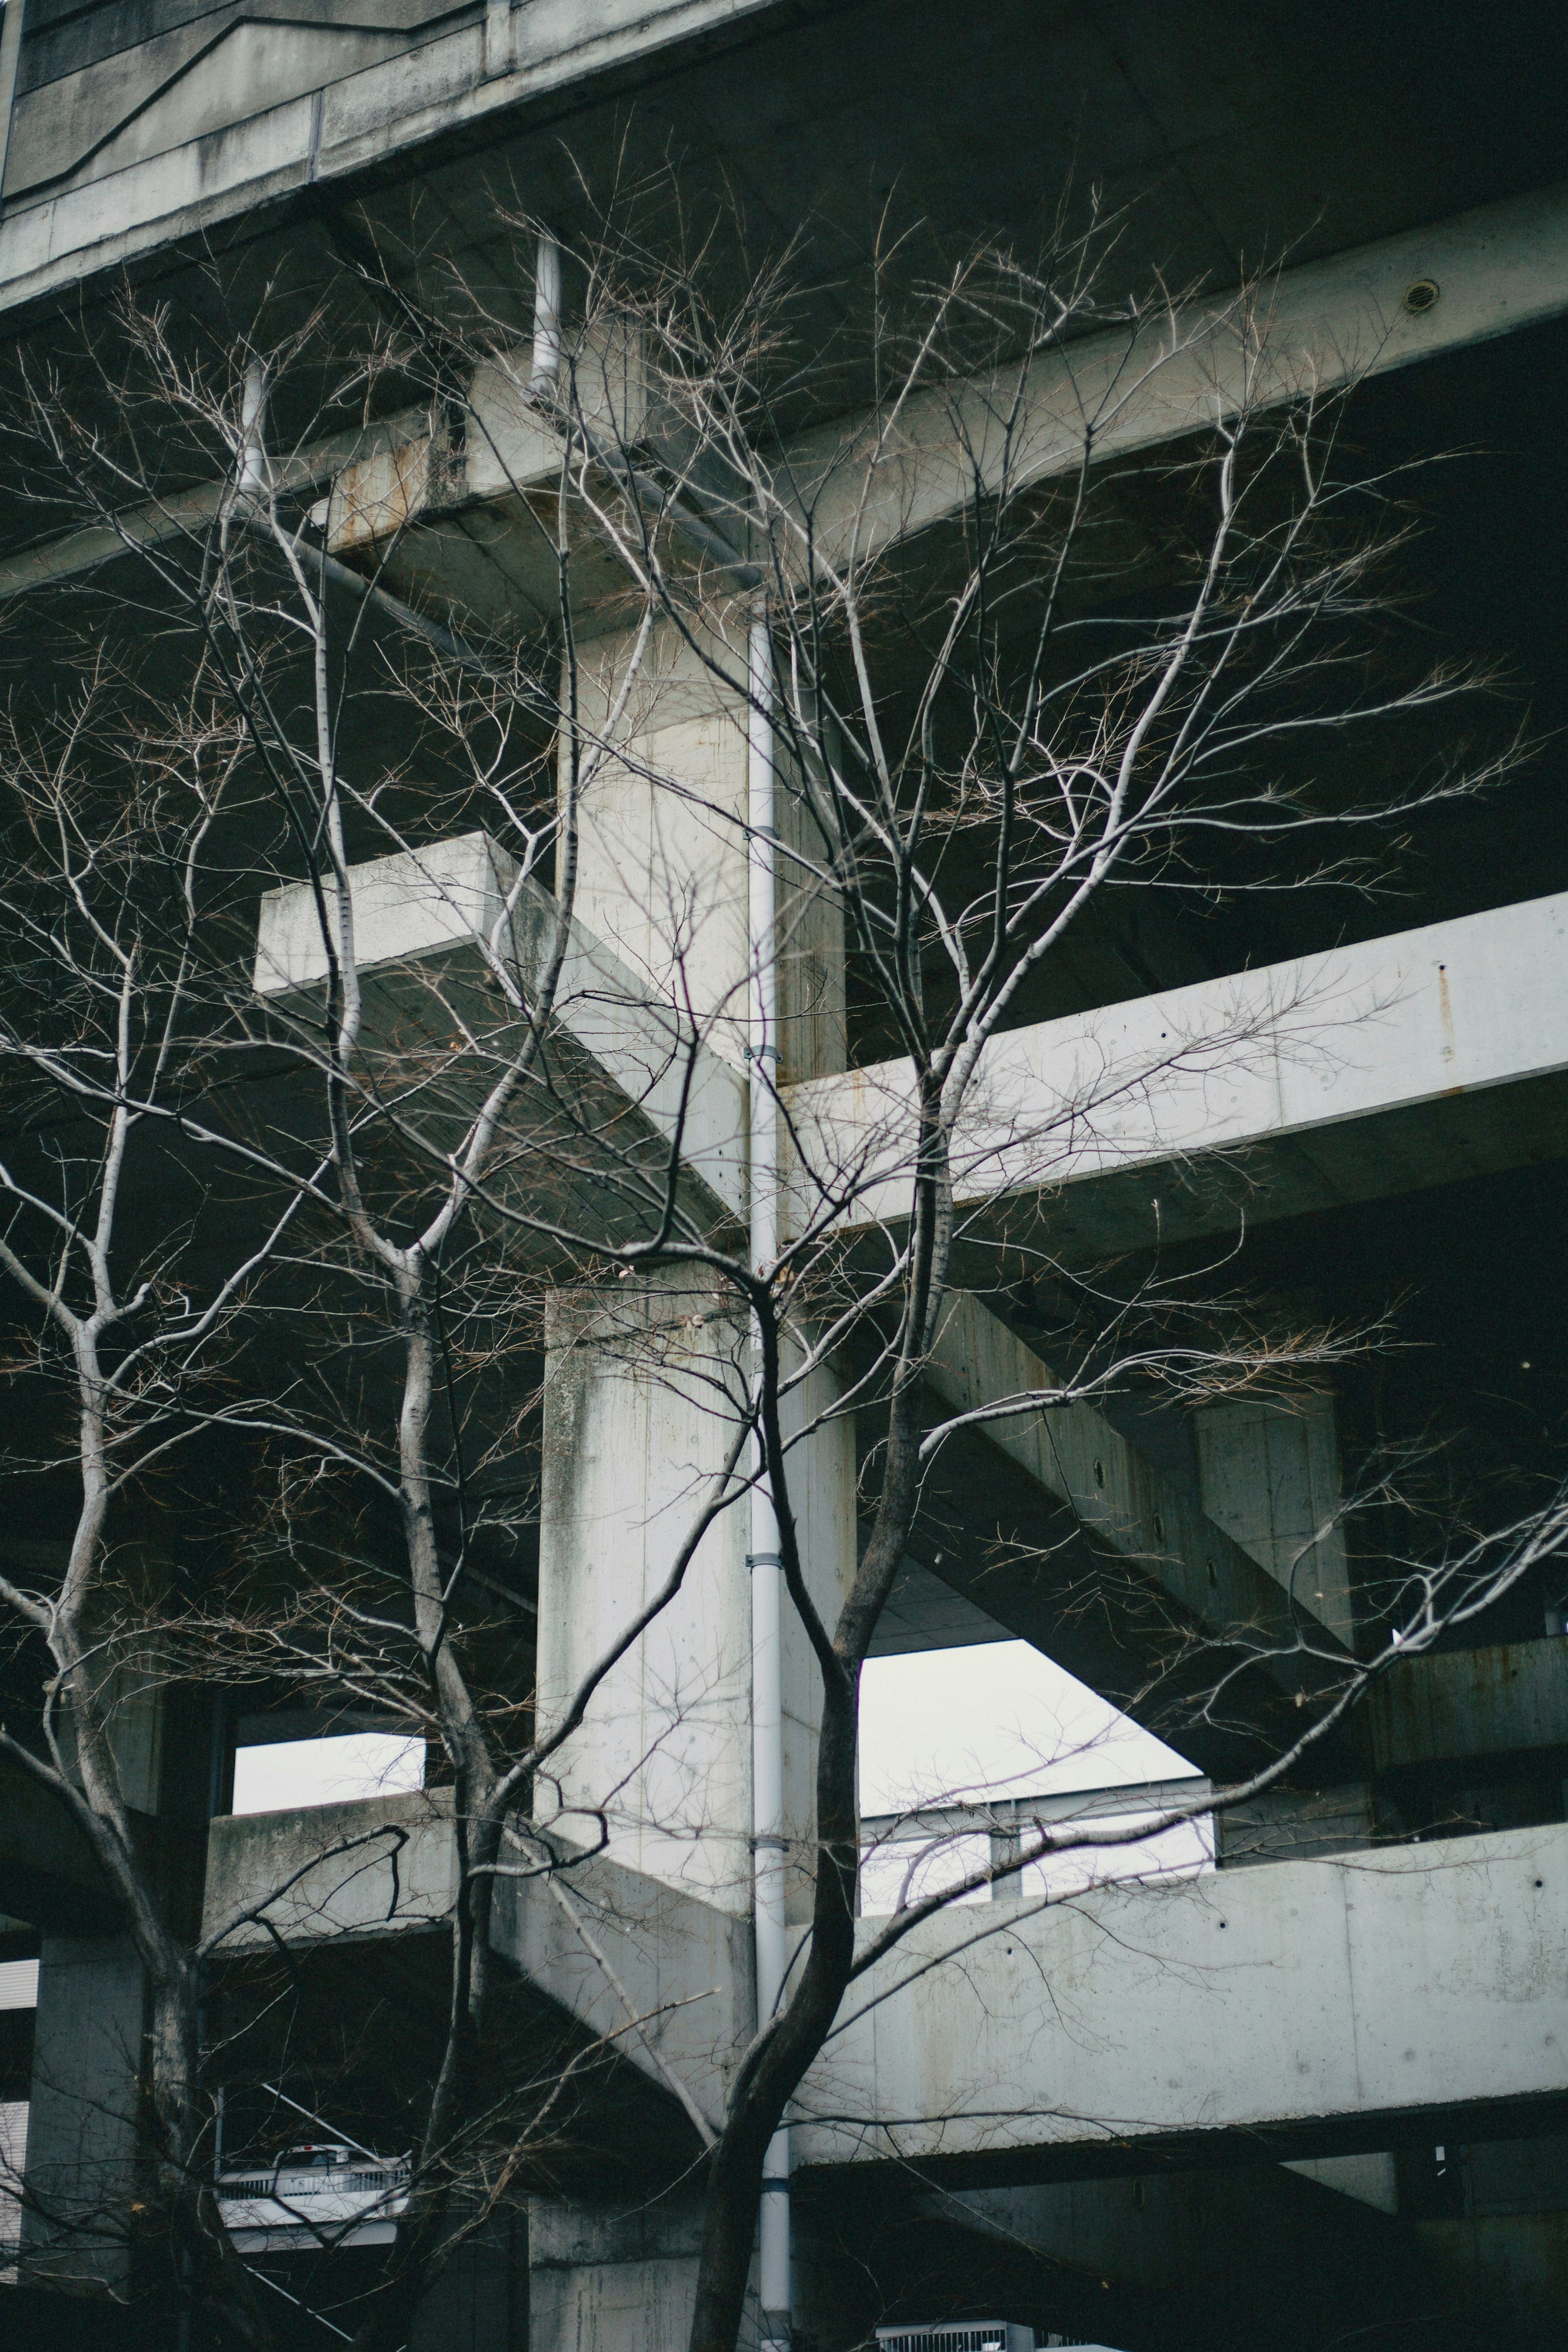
pixel 1351 2053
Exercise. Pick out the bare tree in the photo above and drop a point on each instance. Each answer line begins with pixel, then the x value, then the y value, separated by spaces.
pixel 327 1206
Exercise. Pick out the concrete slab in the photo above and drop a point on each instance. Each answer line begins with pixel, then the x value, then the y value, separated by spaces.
pixel 1308 2009
pixel 1369 1070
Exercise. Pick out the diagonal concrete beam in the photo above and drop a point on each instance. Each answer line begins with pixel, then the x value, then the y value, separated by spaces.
pixel 1370 1070
pixel 421 918
pixel 1063 1536
pixel 1304 2010
pixel 1324 324
pixel 1080 1497
pixel 663 1977
pixel 1320 326
pixel 1113 1492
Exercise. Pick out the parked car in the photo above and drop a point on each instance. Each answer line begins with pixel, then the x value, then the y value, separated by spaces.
pixel 317 2194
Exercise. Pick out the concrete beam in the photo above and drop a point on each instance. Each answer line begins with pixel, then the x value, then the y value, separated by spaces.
pixel 1406 1061
pixel 1319 327
pixel 190 513
pixel 1323 324
pixel 420 917
pixel 1311 2008
pixel 668 1976
pixel 47 1872
pixel 1114 1494
pixel 1492 1701
pixel 209 146
pixel 372 1866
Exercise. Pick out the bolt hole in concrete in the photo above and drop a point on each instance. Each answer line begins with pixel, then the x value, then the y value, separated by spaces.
pixel 285 1775
pixel 980 1731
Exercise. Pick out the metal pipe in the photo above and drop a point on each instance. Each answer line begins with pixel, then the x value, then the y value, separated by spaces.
pixel 546 313
pixel 768 1844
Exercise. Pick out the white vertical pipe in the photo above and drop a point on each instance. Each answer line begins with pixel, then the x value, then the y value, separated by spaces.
pixel 767 1576
pixel 252 431
pixel 546 313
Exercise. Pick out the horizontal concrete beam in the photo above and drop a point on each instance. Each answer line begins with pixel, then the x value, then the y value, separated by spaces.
pixel 665 1977
pixel 191 171
pixel 1307 2009
pixel 1369 1070
pixel 1009 1813
pixel 190 513
pixel 1319 327
pixel 373 1867
pixel 1509 1696
pixel 867 486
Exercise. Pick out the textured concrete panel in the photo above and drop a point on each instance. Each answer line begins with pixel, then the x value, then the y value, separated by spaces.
pixel 1299 2005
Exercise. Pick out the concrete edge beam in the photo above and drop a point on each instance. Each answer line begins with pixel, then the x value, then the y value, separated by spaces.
pixel 324 138
pixel 1407 1023
pixel 1305 2008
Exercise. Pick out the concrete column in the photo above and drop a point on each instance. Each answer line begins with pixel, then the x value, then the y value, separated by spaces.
pixel 82 2125
pixel 1271 1477
pixel 602 2279
pixel 662 862
pixel 643 1384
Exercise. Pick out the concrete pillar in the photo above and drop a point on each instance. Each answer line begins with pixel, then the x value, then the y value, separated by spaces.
pixel 642 1388
pixel 604 2279
pixel 1269 1474
pixel 82 2125
pixel 662 861
pixel 479 2303
pixel 641 1385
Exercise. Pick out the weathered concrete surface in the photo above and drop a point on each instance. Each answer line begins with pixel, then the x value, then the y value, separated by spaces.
pixel 668 1976
pixel 607 2279
pixel 367 1867
pixel 228 132
pixel 1315 2006
pixel 1409 1061
pixel 1482 1702
pixel 82 2131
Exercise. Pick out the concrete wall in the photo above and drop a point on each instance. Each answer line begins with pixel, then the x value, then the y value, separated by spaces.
pixel 1313 2001
pixel 82 2125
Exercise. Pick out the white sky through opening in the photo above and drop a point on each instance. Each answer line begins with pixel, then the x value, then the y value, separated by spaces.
pixel 992 1719
pixel 289 1774
pixel 995 1720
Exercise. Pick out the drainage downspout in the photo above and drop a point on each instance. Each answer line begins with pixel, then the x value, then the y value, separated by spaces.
pixel 767 1578
pixel 546 314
